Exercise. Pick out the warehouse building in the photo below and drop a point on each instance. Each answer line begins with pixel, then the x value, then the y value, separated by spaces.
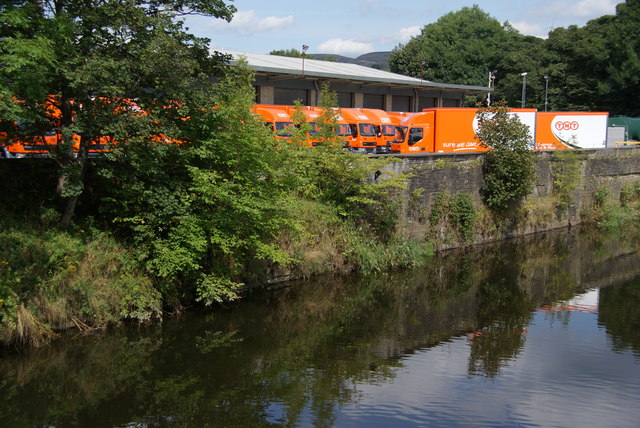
pixel 281 80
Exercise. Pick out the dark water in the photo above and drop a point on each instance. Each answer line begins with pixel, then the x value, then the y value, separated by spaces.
pixel 537 332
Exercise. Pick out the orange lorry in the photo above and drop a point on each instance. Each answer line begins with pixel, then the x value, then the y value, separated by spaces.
pixel 564 130
pixel 446 130
pixel 277 119
pixel 384 126
pixel 363 132
pixel 311 115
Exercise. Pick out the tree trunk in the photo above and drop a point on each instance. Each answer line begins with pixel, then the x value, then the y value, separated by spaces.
pixel 77 179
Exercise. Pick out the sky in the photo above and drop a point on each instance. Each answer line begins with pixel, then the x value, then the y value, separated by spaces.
pixel 355 27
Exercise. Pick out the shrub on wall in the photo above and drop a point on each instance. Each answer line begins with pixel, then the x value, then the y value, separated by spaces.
pixel 509 167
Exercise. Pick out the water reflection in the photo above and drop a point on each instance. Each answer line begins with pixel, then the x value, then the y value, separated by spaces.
pixel 318 353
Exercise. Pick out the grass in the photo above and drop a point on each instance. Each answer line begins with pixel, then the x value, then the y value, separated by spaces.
pixel 52 279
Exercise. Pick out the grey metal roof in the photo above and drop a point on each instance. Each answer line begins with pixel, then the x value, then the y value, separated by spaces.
pixel 337 70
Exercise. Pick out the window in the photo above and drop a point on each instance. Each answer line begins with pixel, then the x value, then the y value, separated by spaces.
pixel 343 130
pixel 367 130
pixel 281 129
pixel 388 130
pixel 415 135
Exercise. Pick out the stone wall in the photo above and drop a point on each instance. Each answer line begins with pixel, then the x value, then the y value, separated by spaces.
pixel 603 171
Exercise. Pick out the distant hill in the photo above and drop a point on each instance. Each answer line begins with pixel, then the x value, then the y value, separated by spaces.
pixel 378 60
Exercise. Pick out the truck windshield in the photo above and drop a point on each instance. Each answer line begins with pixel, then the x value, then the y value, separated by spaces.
pixel 388 130
pixel 314 128
pixel 401 134
pixel 343 130
pixel 367 130
pixel 281 129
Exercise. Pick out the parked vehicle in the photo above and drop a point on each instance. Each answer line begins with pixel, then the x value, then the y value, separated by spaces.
pixel 384 127
pixel 564 130
pixel 277 119
pixel 446 130
pixel 363 132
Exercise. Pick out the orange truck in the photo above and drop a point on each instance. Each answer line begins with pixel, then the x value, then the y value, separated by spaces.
pixel 564 130
pixel 277 119
pixel 363 132
pixel 384 127
pixel 311 115
pixel 446 130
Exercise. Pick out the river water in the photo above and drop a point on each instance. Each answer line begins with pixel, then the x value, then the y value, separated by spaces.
pixel 543 331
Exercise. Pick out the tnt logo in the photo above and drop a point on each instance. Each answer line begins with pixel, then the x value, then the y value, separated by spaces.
pixel 567 126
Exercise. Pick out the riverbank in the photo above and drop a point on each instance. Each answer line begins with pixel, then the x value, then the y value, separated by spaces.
pixel 87 277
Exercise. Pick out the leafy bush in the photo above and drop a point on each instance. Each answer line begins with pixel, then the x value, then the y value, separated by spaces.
pixel 509 167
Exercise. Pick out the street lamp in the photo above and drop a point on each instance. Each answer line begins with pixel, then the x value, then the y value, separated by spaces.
pixel 546 91
pixel 492 78
pixel 524 87
pixel 304 50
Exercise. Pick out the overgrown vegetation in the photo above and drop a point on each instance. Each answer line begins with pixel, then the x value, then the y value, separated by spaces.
pixel 614 214
pixel 170 225
pixel 453 213
pixel 566 175
pixel 52 279
pixel 510 166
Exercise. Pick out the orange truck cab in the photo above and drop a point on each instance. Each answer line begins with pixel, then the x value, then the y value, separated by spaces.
pixel 363 132
pixel 564 130
pixel 277 119
pixel 311 115
pixel 343 130
pixel 446 130
pixel 384 126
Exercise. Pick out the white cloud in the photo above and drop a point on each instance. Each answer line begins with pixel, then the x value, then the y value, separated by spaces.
pixel 344 47
pixel 589 8
pixel 560 10
pixel 405 34
pixel 247 22
pixel 531 29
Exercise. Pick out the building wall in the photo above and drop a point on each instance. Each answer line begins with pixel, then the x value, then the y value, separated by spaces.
pixel 286 89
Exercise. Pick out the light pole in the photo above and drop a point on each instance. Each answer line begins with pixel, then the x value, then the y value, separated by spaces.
pixel 546 91
pixel 492 78
pixel 304 50
pixel 524 87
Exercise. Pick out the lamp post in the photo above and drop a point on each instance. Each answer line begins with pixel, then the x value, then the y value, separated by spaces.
pixel 524 87
pixel 304 50
pixel 546 91
pixel 492 78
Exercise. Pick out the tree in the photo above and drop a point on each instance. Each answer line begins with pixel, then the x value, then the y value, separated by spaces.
pixel 90 59
pixel 509 167
pixel 597 67
pixel 293 52
pixel 460 47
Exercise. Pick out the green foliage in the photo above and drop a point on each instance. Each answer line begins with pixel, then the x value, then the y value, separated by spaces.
pixel 51 279
pixel 600 197
pixel 590 68
pixel 293 52
pixel 369 255
pixel 463 215
pixel 199 212
pixel 510 166
pixel 629 195
pixel 566 175
pixel 353 184
pixel 457 212
pixel 93 61
pixel 461 47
